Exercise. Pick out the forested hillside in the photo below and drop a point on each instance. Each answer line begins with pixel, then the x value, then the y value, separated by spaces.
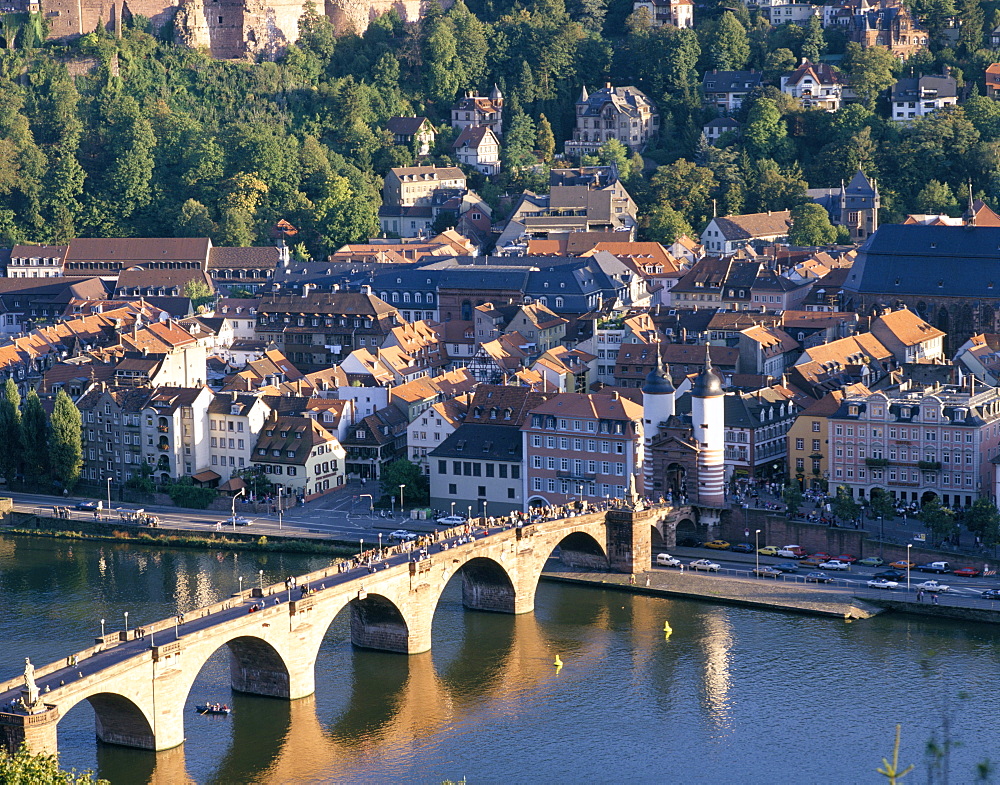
pixel 156 139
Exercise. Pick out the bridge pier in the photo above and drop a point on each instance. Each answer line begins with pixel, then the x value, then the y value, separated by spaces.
pixel 36 731
pixel 629 540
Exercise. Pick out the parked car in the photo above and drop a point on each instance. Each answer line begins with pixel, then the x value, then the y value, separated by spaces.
pixel 882 583
pixel 820 556
pixel 793 552
pixel 812 561
pixel 786 566
pixel 705 565
pixel 967 572
pixel 90 506
pixel 451 520
pixel 902 564
pixel 872 561
pixel 666 560
pixel 846 557
pixel 835 564
pixel 402 535
pixel 767 572
pixel 690 542
pixel 818 577
pixel 890 575
pixel 991 594
pixel 742 547
pixel 939 567
pixel 768 550
pixel 719 545
pixel 932 586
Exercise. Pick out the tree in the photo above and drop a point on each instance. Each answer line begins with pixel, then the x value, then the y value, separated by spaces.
pixel 983 520
pixel 764 129
pixel 939 520
pixel 811 226
pixel 813 44
pixel 65 442
pixel 614 152
pixel 664 224
pixel 141 479
pixel 844 506
pixel 24 768
pixel 519 143
pixel 545 141
pixel 36 438
pixel 793 498
pixel 882 505
pixel 404 472
pixel 936 198
pixel 194 220
pixel 198 292
pixel 10 431
pixel 870 71
pixel 728 45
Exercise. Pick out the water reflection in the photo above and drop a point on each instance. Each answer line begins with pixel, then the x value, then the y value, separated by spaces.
pixel 716 643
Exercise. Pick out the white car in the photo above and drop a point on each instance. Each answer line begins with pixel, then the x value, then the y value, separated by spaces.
pixel 882 583
pixel 833 564
pixel 451 520
pixel 239 520
pixel 402 535
pixel 666 560
pixel 932 586
pixel 704 564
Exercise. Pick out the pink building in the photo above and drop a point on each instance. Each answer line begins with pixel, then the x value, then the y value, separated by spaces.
pixel 579 445
pixel 938 441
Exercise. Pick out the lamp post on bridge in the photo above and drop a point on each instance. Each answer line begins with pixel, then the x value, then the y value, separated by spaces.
pixel 109 495
pixel 102 628
pixel 908 546
pixel 241 585
pixel 280 489
pixel 126 625
pixel 756 546
pixel 401 500
pixel 453 509
pixel 261 573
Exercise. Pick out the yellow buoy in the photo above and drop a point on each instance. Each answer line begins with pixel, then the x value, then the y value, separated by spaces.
pixel 558 663
pixel 667 627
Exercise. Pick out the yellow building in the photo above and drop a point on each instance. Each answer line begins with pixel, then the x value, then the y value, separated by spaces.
pixel 809 440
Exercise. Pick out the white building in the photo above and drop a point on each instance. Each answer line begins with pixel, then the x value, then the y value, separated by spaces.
pixel 679 13
pixel 235 421
pixel 175 427
pixel 478 147
pixel 916 97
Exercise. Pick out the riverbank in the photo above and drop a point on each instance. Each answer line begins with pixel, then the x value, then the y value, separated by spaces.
pixel 176 538
pixel 788 598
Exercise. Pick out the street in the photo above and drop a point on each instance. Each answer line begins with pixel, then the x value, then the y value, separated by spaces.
pixel 336 516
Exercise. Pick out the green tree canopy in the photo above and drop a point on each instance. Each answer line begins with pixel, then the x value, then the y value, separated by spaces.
pixel 811 226
pixel 65 442
pixel 404 472
pixel 36 439
pixel 939 520
pixel 728 44
pixel 24 768
pixel 10 431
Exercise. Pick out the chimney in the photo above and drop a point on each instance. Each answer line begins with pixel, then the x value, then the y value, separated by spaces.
pixel 614 395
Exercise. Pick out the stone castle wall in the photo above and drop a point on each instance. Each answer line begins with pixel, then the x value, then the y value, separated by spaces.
pixel 227 29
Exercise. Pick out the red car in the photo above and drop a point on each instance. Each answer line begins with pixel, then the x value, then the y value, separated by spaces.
pixel 847 558
pixel 967 572
pixel 820 556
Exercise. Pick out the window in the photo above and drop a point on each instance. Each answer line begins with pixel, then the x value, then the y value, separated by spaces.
pixel 452 489
pixel 442 467
pixel 511 493
pixel 815 426
pixel 800 444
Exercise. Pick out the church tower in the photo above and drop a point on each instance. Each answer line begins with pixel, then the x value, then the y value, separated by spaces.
pixel 708 426
pixel 657 406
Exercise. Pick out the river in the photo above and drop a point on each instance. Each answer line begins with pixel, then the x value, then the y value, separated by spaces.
pixel 733 695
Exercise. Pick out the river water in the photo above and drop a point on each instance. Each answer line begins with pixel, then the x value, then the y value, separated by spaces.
pixel 733 695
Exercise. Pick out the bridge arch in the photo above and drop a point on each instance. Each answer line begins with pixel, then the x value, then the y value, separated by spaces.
pixel 118 718
pixel 378 623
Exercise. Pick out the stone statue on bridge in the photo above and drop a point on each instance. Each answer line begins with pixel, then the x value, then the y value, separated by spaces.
pixel 30 692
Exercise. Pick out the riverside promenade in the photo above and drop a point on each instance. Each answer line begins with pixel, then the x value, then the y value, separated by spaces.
pixel 746 592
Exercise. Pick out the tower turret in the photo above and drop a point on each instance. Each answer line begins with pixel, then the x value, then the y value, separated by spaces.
pixel 657 406
pixel 708 425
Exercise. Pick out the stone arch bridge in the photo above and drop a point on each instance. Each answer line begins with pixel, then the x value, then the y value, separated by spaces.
pixel 139 686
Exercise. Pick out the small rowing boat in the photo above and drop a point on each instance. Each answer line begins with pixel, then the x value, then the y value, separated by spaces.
pixel 212 708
